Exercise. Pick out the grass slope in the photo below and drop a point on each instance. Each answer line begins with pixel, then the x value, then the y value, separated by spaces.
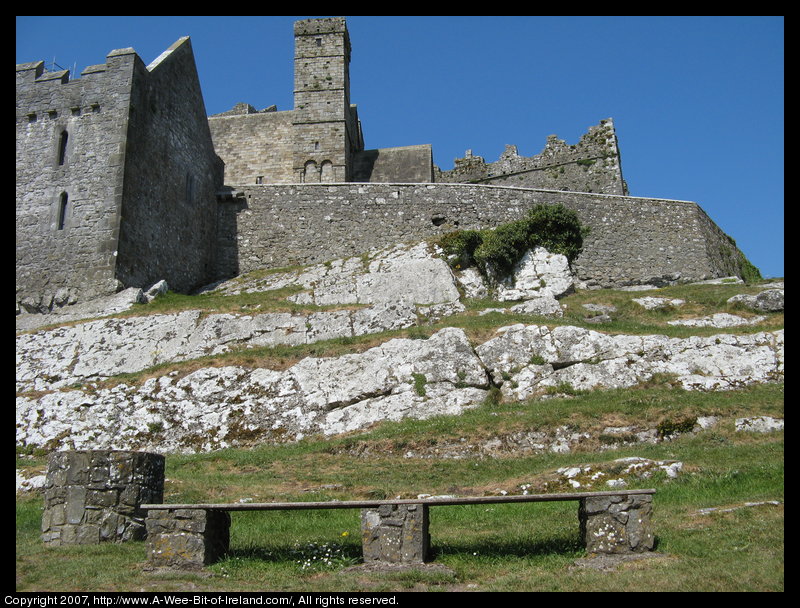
pixel 528 547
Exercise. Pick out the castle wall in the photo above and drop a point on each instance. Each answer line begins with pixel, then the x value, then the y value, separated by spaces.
pixel 255 146
pixel 591 165
pixel 171 178
pixel 632 240
pixel 69 196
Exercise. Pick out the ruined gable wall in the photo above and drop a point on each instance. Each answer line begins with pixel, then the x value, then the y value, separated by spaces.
pixel 171 177
pixel 62 260
pixel 632 240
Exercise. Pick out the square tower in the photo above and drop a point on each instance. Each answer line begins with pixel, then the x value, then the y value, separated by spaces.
pixel 324 130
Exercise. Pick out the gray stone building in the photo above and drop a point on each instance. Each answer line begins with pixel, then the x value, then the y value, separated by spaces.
pixel 116 179
pixel 123 180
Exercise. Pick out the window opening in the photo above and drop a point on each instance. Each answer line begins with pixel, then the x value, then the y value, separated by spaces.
pixel 62 211
pixel 62 147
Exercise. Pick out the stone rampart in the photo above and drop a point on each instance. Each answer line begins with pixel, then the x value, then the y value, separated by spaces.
pixel 632 240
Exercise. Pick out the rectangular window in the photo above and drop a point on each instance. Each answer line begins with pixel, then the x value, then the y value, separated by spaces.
pixel 62 147
pixel 62 211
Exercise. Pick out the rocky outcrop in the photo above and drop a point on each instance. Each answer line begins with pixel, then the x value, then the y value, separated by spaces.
pixel 100 349
pixel 64 403
pixel 215 407
pixel 531 360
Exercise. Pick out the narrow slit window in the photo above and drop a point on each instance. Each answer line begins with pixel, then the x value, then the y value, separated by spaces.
pixel 62 147
pixel 62 210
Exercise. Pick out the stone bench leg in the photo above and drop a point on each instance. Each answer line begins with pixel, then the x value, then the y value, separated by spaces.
pixel 617 524
pixel 395 534
pixel 187 538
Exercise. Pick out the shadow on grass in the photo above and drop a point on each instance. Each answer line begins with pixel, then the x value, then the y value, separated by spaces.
pixel 568 545
pixel 498 548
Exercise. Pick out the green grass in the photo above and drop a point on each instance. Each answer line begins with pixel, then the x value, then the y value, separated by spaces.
pixel 513 547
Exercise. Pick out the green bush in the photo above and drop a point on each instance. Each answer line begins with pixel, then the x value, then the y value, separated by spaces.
pixel 553 227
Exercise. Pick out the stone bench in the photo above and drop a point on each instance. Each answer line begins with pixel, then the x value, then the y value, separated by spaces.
pixel 394 531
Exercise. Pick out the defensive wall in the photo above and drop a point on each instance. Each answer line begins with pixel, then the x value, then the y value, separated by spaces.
pixel 632 240
pixel 116 178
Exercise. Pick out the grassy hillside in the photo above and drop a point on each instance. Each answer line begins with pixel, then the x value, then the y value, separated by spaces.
pixel 524 547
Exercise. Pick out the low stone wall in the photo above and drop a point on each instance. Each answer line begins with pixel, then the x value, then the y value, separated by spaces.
pixel 93 496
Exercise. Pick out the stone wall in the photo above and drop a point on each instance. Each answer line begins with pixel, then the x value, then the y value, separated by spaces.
pixel 256 146
pixel 92 496
pixel 591 165
pixel 116 179
pixel 632 240
pixel 69 199
pixel 171 178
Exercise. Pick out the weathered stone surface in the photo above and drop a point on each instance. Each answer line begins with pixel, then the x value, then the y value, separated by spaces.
pixel 187 538
pixel 98 349
pixel 526 360
pixel 395 534
pixel 94 496
pixel 217 407
pixel 617 524
pixel 652 303
pixel 769 300
pixel 538 274
pixel 719 320
pixel 759 424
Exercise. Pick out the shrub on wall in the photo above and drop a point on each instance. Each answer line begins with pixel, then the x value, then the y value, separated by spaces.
pixel 553 227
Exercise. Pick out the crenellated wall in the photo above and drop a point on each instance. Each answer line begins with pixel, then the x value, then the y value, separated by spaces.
pixel 116 179
pixel 69 198
pixel 632 240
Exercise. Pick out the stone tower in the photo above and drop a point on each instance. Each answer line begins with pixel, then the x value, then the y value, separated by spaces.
pixel 116 179
pixel 325 127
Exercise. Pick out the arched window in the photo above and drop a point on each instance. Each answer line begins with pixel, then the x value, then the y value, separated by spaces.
pixel 62 147
pixel 62 211
pixel 311 173
pixel 327 171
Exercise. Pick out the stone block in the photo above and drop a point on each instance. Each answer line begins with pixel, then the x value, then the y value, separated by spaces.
pixel 395 534
pixel 617 524
pixel 187 539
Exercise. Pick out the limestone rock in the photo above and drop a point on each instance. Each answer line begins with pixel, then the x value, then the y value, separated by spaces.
pixel 759 424
pixel 538 274
pixel 718 320
pixel 652 303
pixel 769 300
pixel 233 405
pixel 529 360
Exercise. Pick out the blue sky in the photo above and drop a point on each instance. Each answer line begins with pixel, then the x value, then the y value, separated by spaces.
pixel 697 101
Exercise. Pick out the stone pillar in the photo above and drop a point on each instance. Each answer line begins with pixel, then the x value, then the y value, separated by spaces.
pixel 187 538
pixel 395 533
pixel 617 524
pixel 92 496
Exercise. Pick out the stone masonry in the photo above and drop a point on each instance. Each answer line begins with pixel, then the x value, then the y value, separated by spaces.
pixel 123 180
pixel 94 496
pixel 617 524
pixel 187 538
pixel 395 533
